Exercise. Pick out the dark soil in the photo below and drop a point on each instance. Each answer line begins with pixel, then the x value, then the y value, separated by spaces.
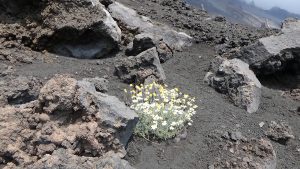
pixel 186 71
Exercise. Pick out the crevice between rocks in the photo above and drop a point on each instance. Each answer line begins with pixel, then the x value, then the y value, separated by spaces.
pixel 81 44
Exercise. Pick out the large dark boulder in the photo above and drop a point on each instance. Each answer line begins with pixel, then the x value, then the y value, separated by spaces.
pixel 275 53
pixel 234 78
pixel 136 69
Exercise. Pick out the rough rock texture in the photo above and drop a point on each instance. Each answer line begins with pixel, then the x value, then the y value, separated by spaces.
pixel 275 53
pixel 136 69
pixel 146 41
pixel 73 21
pixel 61 158
pixel 18 90
pixel 280 132
pixel 233 77
pixel 294 94
pixel 61 27
pixel 5 70
pixel 242 153
pixel 100 84
pixel 135 23
pixel 199 24
pixel 71 115
pixel 108 110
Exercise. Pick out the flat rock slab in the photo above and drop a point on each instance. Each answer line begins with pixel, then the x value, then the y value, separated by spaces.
pixel 290 38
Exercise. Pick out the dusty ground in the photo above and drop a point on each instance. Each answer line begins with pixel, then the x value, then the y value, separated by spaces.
pixel 185 71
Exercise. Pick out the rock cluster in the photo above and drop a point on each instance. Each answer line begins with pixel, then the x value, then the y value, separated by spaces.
pixel 275 53
pixel 69 117
pixel 141 33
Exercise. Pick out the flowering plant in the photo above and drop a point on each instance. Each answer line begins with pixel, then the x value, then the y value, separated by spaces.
pixel 163 112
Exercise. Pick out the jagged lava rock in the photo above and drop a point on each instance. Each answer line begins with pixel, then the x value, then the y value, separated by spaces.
pixel 58 94
pixel 274 53
pixel 233 77
pixel 108 110
pixel 136 69
pixel 70 115
pixel 144 41
pixel 67 95
pixel 81 29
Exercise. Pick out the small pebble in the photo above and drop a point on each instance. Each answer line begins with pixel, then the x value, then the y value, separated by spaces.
pixel 261 124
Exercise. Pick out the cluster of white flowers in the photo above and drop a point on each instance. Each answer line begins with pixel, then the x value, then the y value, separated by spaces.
pixel 163 112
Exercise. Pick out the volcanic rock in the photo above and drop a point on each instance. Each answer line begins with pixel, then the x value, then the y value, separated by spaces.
pixel 69 115
pixel 136 69
pixel 234 78
pixel 100 84
pixel 18 90
pixel 146 41
pixel 280 132
pixel 240 152
pixel 275 53
pixel 82 29
pixel 134 22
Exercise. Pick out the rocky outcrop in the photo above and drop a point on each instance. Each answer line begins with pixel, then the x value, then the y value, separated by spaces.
pixel 81 29
pixel 136 69
pixel 275 53
pixel 69 115
pixel 160 35
pixel 67 96
pixel 71 22
pixel 234 78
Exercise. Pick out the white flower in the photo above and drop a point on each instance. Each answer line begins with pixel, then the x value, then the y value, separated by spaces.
pixel 156 117
pixel 173 123
pixel 154 126
pixel 161 108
